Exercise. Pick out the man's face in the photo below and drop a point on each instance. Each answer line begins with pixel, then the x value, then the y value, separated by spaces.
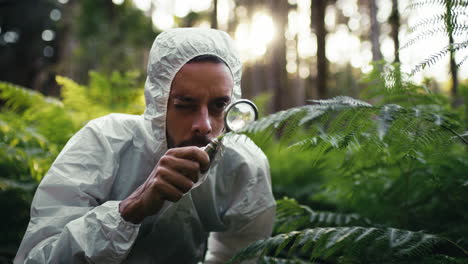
pixel 199 95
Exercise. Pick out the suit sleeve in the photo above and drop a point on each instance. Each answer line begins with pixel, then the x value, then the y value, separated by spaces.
pixel 71 219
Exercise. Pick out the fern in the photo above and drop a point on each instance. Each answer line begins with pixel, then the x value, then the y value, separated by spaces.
pixel 386 83
pixel 419 4
pixel 450 23
pixel 306 114
pixel 105 94
pixel 33 129
pixel 292 216
pixel 368 157
pixel 436 19
pixel 426 34
pixel 273 260
pixel 352 245
pixel 346 110
pixel 45 116
pixel 457 30
pixel 431 60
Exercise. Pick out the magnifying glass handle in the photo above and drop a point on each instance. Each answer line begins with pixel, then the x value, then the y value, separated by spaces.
pixel 211 149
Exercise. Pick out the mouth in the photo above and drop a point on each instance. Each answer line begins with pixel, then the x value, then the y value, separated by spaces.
pixel 200 145
pixel 198 142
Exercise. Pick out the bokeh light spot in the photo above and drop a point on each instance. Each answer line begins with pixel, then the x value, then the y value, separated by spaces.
pixel 162 20
pixel 48 51
pixel 143 5
pixel 55 15
pixel 48 35
pixel 11 37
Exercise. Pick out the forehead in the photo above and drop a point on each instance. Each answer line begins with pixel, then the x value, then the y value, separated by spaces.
pixel 203 79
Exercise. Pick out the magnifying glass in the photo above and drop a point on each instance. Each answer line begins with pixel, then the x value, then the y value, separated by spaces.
pixel 236 116
pixel 239 114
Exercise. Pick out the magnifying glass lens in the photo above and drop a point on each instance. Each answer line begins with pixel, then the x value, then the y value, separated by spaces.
pixel 240 115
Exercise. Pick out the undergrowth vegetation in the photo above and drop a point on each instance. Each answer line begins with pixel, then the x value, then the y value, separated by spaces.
pixel 33 130
pixel 380 183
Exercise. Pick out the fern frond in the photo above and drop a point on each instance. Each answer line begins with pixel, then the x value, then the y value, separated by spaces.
pixel 18 98
pixel 292 216
pixel 307 113
pixel 363 245
pixel 437 19
pixel 459 46
pixel 8 184
pixel 424 35
pixel 453 22
pixel 386 117
pixel 341 101
pixel 462 61
pixel 24 153
pixel 273 260
pixel 419 4
pixel 458 29
pixel 439 55
pixel 345 118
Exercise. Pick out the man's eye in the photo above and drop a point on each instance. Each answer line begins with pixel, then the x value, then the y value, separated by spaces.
pixel 221 105
pixel 183 106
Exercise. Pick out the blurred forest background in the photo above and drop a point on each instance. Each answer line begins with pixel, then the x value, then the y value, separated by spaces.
pixel 401 164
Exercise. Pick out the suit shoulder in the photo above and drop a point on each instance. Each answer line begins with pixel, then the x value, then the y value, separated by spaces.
pixel 115 120
pixel 243 148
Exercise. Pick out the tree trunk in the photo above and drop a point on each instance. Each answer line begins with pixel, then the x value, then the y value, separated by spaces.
pixel 318 25
pixel 394 20
pixel 65 43
pixel 375 31
pixel 453 73
pixel 453 64
pixel 277 80
pixel 214 15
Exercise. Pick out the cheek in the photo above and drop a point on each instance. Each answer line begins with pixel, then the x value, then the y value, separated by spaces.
pixel 174 124
pixel 217 125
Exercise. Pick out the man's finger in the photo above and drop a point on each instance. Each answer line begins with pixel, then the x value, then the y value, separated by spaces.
pixel 176 179
pixel 192 153
pixel 188 168
pixel 168 191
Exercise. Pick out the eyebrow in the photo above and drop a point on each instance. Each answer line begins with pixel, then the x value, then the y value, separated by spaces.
pixel 185 99
pixel 222 98
pixel 188 99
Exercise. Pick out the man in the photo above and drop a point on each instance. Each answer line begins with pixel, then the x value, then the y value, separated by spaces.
pixel 101 200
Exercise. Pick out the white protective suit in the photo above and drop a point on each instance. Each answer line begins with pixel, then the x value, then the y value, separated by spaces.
pixel 75 216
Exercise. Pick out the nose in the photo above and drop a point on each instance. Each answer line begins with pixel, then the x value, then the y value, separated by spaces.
pixel 202 125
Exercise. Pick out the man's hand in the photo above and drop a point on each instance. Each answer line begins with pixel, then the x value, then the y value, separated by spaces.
pixel 173 176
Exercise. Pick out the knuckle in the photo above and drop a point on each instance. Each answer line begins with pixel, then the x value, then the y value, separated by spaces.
pixel 193 150
pixel 157 185
pixel 160 182
pixel 163 177
pixel 170 152
pixel 196 166
pixel 165 160
pixel 158 172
